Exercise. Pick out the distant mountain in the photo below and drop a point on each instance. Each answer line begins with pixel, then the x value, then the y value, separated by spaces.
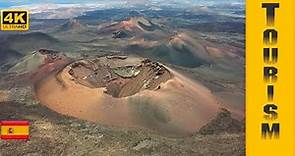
pixel 28 42
pixel 179 49
pixel 131 27
pixel 148 38
pixel 70 25
pixel 8 56
pixel 55 10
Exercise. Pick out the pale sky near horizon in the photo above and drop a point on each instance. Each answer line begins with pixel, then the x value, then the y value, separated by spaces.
pixel 11 3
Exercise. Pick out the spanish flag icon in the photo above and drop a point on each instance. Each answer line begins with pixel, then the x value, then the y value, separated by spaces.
pixel 14 130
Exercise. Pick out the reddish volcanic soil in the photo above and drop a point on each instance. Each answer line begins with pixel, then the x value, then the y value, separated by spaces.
pixel 52 63
pixel 177 107
pixel 3 96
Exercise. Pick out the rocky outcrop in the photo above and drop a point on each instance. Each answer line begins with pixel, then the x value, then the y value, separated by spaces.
pixel 223 123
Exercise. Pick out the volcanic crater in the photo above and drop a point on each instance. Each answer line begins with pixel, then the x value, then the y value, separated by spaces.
pixel 120 76
pixel 127 92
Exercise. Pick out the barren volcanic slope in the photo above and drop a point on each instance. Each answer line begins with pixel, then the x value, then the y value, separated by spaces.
pixel 129 92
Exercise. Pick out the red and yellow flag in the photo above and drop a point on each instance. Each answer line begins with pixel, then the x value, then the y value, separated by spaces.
pixel 14 130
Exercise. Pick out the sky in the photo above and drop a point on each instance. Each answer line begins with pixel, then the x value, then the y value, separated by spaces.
pixel 11 3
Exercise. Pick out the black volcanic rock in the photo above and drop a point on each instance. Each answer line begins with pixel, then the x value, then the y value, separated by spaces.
pixel 223 123
pixel 120 34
